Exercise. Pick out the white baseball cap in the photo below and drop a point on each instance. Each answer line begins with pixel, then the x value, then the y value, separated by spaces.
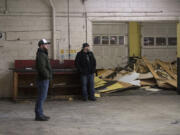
pixel 43 42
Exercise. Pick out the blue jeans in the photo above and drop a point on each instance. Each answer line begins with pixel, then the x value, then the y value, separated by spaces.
pixel 87 86
pixel 42 86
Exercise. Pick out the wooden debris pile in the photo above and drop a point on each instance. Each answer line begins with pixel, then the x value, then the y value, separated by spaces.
pixel 104 82
pixel 141 73
pixel 164 73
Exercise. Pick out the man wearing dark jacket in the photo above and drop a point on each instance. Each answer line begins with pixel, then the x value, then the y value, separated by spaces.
pixel 86 65
pixel 44 71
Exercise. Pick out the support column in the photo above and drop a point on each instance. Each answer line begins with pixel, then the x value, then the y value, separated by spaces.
pixel 134 39
pixel 178 58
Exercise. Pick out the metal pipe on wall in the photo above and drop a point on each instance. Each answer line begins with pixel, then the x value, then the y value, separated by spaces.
pixel 54 29
pixel 6 7
pixel 86 24
pixel 85 17
pixel 69 34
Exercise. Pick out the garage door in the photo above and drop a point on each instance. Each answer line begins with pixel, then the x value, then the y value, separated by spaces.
pixel 159 40
pixel 110 44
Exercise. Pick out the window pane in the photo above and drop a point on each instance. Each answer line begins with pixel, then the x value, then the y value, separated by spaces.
pixel 172 41
pixel 97 40
pixel 148 41
pixel 105 40
pixel 161 41
pixel 121 40
pixel 113 40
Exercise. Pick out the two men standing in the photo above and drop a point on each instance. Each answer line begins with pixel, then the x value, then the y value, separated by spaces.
pixel 85 63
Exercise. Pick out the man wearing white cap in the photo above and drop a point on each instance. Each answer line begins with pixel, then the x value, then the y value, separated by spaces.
pixel 44 71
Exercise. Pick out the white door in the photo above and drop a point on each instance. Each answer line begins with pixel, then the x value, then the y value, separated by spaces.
pixel 159 40
pixel 110 44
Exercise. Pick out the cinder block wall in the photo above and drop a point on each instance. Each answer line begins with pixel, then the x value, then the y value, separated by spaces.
pixel 24 22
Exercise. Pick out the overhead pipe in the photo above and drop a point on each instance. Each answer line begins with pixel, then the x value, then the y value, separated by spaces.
pixel 102 12
pixel 54 29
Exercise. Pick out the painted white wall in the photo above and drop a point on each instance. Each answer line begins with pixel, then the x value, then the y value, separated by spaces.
pixel 24 22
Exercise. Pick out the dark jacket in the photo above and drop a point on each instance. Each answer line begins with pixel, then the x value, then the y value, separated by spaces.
pixel 43 66
pixel 83 65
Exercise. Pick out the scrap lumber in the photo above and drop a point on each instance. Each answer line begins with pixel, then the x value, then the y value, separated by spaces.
pixel 112 87
pixel 117 86
pixel 163 74
pixel 149 65
pixel 172 82
pixel 143 73
pixel 99 82
pixel 146 76
pixel 140 66
pixel 126 85
pixel 104 73
pixel 147 82
pixel 109 86
pixel 167 69
pixel 161 82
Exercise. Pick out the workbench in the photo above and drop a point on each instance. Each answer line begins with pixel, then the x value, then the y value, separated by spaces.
pixel 66 80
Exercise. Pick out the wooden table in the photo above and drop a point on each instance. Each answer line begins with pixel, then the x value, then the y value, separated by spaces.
pixel 64 82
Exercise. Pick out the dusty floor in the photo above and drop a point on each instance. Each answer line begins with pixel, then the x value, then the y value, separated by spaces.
pixel 111 115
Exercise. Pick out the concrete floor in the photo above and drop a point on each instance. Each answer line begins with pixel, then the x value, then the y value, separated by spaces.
pixel 111 115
